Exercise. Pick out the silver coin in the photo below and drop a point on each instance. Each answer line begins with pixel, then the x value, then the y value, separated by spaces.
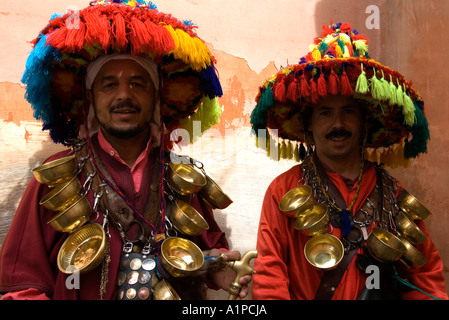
pixel 148 264
pixel 144 277
pixel 135 264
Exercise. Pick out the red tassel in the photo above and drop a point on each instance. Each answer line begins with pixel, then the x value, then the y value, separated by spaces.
pixel 313 90
pixel 322 89
pixel 333 83
pixel 292 91
pixel 279 91
pixel 162 42
pixel 304 88
pixel 138 36
pixel 119 30
pixel 345 85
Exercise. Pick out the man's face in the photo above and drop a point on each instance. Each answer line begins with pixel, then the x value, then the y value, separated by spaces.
pixel 123 98
pixel 336 126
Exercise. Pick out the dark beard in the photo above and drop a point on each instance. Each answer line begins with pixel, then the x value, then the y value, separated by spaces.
pixel 124 133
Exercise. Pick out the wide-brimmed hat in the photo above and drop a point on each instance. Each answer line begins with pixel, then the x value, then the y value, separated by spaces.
pixel 56 67
pixel 338 64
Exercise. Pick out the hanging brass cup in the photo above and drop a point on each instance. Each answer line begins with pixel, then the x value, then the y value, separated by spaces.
pixel 181 257
pixel 412 257
pixel 212 194
pixel 408 229
pixel 186 219
pixel 185 178
pixel 56 171
pixel 324 251
pixel 412 206
pixel 314 221
pixel 164 291
pixel 73 216
pixel 83 250
pixel 297 201
pixel 62 195
pixel 385 246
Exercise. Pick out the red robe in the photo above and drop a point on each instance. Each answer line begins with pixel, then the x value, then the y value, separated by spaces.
pixel 283 273
pixel 29 251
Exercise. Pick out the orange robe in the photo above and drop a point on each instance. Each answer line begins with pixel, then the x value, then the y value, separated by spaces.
pixel 283 273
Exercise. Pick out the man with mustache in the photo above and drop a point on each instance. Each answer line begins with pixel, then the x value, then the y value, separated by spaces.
pixel 335 111
pixel 113 90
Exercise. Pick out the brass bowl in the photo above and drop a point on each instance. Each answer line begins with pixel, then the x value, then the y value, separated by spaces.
pixel 385 246
pixel 186 219
pixel 62 195
pixel 83 250
pixel 212 194
pixel 185 178
pixel 408 229
pixel 297 201
pixel 181 257
pixel 314 221
pixel 412 206
pixel 412 257
pixel 164 291
pixel 56 171
pixel 324 251
pixel 72 217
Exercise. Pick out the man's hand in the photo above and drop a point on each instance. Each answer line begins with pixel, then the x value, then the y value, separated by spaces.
pixel 222 278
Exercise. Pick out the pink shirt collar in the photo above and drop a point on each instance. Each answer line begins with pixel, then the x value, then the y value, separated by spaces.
pixel 138 166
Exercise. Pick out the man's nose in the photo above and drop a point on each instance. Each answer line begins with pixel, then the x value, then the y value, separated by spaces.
pixel 124 92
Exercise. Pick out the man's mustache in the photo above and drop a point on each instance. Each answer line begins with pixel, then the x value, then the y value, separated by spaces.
pixel 125 105
pixel 338 133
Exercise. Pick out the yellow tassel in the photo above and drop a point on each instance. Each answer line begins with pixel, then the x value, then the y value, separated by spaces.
pixel 316 55
pixel 283 150
pixel 289 149
pixel 338 51
pixel 399 95
pixel 362 82
pixel 376 88
pixel 189 49
pixel 408 110
pixel 392 92
pixel 345 38
pixel 361 47
pixel 296 153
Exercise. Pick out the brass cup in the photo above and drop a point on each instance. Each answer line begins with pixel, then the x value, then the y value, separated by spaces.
pixel 181 257
pixel 324 251
pixel 186 219
pixel 385 246
pixel 212 194
pixel 83 250
pixel 185 178
pixel 72 217
pixel 56 171
pixel 164 291
pixel 412 257
pixel 314 221
pixel 297 201
pixel 412 206
pixel 408 229
pixel 62 195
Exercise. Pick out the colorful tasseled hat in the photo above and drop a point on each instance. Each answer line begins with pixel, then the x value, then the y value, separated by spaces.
pixel 56 67
pixel 338 63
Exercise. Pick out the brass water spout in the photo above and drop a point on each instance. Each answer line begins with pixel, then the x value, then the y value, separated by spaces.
pixel 242 268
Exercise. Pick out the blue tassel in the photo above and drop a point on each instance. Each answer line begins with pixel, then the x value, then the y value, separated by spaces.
pixel 345 223
pixel 209 83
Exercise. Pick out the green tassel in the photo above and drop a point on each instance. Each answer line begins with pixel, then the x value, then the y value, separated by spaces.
pixel 392 93
pixel 420 136
pixel 408 110
pixel 362 83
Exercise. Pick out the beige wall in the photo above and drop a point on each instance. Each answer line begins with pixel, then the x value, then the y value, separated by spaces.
pixel 251 40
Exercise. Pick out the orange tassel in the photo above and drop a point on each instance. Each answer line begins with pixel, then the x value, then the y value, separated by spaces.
pixel 292 91
pixel 119 30
pixel 162 41
pixel 345 85
pixel 138 36
pixel 279 91
pixel 313 90
pixel 322 89
pixel 333 83
pixel 305 89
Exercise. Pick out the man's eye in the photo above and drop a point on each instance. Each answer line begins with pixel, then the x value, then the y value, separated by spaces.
pixel 109 85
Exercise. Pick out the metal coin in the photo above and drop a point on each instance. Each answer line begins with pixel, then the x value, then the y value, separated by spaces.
pixel 144 277
pixel 121 278
pixel 148 264
pixel 120 295
pixel 133 277
pixel 131 293
pixel 124 263
pixel 135 264
pixel 143 293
